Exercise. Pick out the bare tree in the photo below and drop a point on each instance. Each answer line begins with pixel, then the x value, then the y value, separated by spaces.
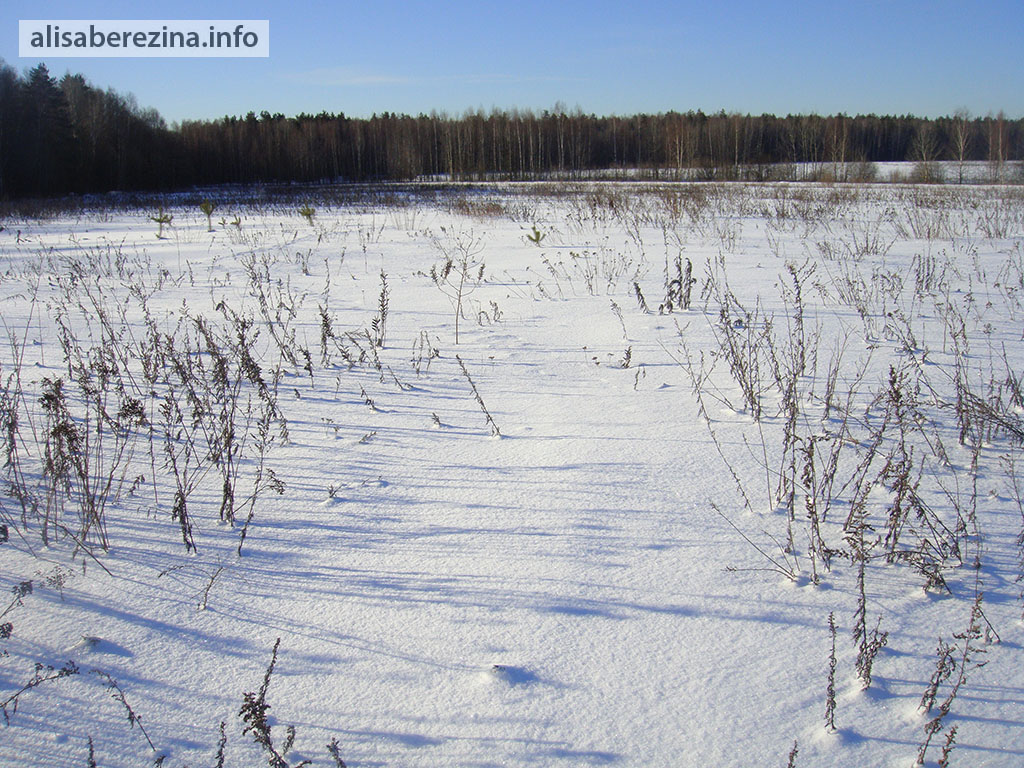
pixel 925 149
pixel 459 272
pixel 837 134
pixel 997 145
pixel 961 139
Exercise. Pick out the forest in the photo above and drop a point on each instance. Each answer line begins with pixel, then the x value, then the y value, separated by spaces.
pixel 67 136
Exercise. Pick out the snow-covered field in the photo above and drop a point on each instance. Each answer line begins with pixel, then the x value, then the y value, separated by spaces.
pixel 681 426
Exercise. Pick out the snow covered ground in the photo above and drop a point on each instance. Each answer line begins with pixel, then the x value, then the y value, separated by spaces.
pixel 682 426
pixel 896 172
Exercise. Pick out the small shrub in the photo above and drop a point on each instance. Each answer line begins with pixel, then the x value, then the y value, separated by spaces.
pixel 162 219
pixel 208 207
pixel 379 324
pixel 460 272
pixel 830 690
pixel 495 432
pixel 254 715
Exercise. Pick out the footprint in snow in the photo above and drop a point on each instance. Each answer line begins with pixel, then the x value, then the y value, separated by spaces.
pixel 505 674
pixel 93 644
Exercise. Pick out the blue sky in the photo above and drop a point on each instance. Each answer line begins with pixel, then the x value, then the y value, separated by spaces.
pixel 925 58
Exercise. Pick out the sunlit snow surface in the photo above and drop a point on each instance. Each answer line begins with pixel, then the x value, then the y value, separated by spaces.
pixel 589 588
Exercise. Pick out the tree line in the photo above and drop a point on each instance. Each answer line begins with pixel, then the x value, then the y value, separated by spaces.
pixel 67 136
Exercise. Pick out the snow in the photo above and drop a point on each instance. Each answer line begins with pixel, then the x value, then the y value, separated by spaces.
pixel 589 588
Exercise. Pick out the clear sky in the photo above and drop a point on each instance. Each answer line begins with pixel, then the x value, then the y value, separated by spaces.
pixel 927 58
